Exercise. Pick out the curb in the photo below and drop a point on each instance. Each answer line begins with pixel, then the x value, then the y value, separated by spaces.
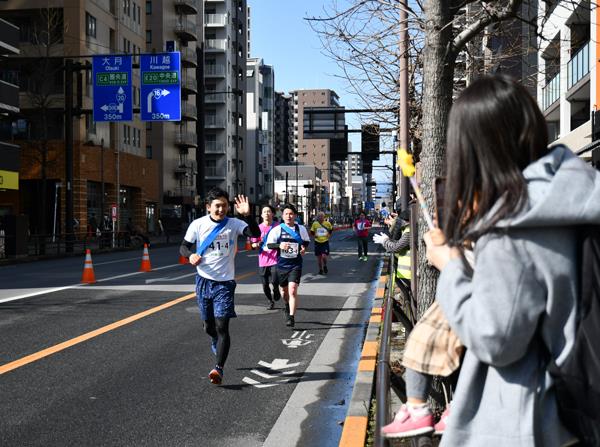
pixel 354 433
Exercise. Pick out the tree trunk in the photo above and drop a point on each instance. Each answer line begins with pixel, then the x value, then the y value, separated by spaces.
pixel 438 74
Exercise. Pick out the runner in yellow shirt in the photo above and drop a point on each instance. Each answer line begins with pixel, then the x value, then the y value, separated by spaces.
pixel 321 230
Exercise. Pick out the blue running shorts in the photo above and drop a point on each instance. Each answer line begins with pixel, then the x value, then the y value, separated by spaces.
pixel 215 298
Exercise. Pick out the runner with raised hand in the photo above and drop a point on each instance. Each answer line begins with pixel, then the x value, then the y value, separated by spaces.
pixel 291 240
pixel 216 237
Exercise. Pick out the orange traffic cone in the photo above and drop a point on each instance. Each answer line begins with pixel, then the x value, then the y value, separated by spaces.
pixel 88 276
pixel 183 260
pixel 248 245
pixel 145 267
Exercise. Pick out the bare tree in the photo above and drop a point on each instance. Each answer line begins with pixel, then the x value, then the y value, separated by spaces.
pixel 362 37
pixel 42 69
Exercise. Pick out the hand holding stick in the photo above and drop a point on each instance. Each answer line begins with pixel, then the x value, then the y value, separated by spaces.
pixel 405 161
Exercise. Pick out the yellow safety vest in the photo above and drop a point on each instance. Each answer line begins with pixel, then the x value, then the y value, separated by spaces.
pixel 403 270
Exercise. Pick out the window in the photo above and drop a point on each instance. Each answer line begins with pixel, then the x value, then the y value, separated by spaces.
pixel 148 7
pixel 139 14
pixel 90 25
pixel 148 152
pixel 148 36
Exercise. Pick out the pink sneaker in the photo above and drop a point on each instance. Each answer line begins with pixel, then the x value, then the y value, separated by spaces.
pixel 441 425
pixel 405 424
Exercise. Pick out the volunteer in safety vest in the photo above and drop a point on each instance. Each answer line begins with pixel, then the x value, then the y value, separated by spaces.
pixel 400 247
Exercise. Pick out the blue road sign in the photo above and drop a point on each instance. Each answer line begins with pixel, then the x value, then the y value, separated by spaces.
pixel 112 88
pixel 161 86
pixel 369 205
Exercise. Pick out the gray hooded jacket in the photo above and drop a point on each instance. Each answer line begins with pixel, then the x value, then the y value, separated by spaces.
pixel 523 290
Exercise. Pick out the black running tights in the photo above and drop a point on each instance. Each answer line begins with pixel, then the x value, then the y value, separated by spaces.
pixel 219 327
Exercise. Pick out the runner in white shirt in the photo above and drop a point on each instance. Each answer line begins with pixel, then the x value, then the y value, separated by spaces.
pixel 216 237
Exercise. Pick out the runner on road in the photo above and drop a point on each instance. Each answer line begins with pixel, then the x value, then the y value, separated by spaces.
pixel 321 230
pixel 267 259
pixel 361 227
pixel 216 237
pixel 291 240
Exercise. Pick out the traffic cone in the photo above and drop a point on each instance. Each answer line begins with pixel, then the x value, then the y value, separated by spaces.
pixel 183 260
pixel 145 267
pixel 88 276
pixel 248 245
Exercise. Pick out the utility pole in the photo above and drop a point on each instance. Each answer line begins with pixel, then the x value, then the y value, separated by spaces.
pixel 403 109
pixel 69 155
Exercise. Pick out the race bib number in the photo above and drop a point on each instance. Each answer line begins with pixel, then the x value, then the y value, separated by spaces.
pixel 321 232
pixel 291 251
pixel 219 247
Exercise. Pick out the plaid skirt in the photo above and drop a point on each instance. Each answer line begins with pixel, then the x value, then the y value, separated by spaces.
pixel 433 347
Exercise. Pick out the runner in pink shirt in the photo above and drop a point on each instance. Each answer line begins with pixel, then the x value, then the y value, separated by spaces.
pixel 267 259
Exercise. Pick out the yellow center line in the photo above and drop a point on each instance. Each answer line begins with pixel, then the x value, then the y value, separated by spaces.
pixel 95 333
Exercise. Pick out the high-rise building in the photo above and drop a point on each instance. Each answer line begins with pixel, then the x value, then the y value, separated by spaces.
pixel 259 133
pixel 176 25
pixel 282 124
pixel 568 79
pixel 312 151
pixel 225 55
pixel 110 161
pixel 9 107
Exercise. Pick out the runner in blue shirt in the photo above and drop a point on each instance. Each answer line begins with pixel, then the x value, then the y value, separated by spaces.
pixel 291 240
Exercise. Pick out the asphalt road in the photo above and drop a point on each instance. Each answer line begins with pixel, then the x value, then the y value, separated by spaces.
pixel 124 362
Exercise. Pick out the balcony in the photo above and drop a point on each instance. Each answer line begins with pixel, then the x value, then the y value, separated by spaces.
pixel 10 38
pixel 551 92
pixel 9 98
pixel 185 139
pixel 214 98
pixel 187 7
pixel 215 45
pixel 214 122
pixel 214 172
pixel 214 71
pixel 189 59
pixel 578 66
pixel 189 86
pixel 215 20
pixel 188 111
pixel 214 147
pixel 185 29
pixel 181 170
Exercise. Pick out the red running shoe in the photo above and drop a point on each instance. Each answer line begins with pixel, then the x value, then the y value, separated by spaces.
pixel 216 375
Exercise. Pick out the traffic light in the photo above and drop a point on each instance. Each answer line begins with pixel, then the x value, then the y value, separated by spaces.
pixel 369 138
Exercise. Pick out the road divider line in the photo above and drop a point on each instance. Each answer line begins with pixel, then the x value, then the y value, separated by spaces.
pixel 74 341
pixel 97 332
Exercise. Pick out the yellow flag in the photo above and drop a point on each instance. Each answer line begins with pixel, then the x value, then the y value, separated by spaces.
pixel 405 161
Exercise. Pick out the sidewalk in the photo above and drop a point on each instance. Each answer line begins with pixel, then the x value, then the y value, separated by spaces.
pixel 54 250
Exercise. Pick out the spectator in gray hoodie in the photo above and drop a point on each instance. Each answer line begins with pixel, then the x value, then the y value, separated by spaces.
pixel 520 202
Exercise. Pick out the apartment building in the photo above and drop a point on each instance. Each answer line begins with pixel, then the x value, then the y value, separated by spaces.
pixel 177 25
pixel 9 108
pixel 110 163
pixel 282 124
pixel 259 132
pixel 311 151
pixel 568 81
pixel 225 57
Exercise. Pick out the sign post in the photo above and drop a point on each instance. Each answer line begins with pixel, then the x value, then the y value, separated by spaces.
pixel 161 86
pixel 112 88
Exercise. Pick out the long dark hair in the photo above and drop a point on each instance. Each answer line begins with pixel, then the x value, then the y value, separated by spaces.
pixel 495 130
